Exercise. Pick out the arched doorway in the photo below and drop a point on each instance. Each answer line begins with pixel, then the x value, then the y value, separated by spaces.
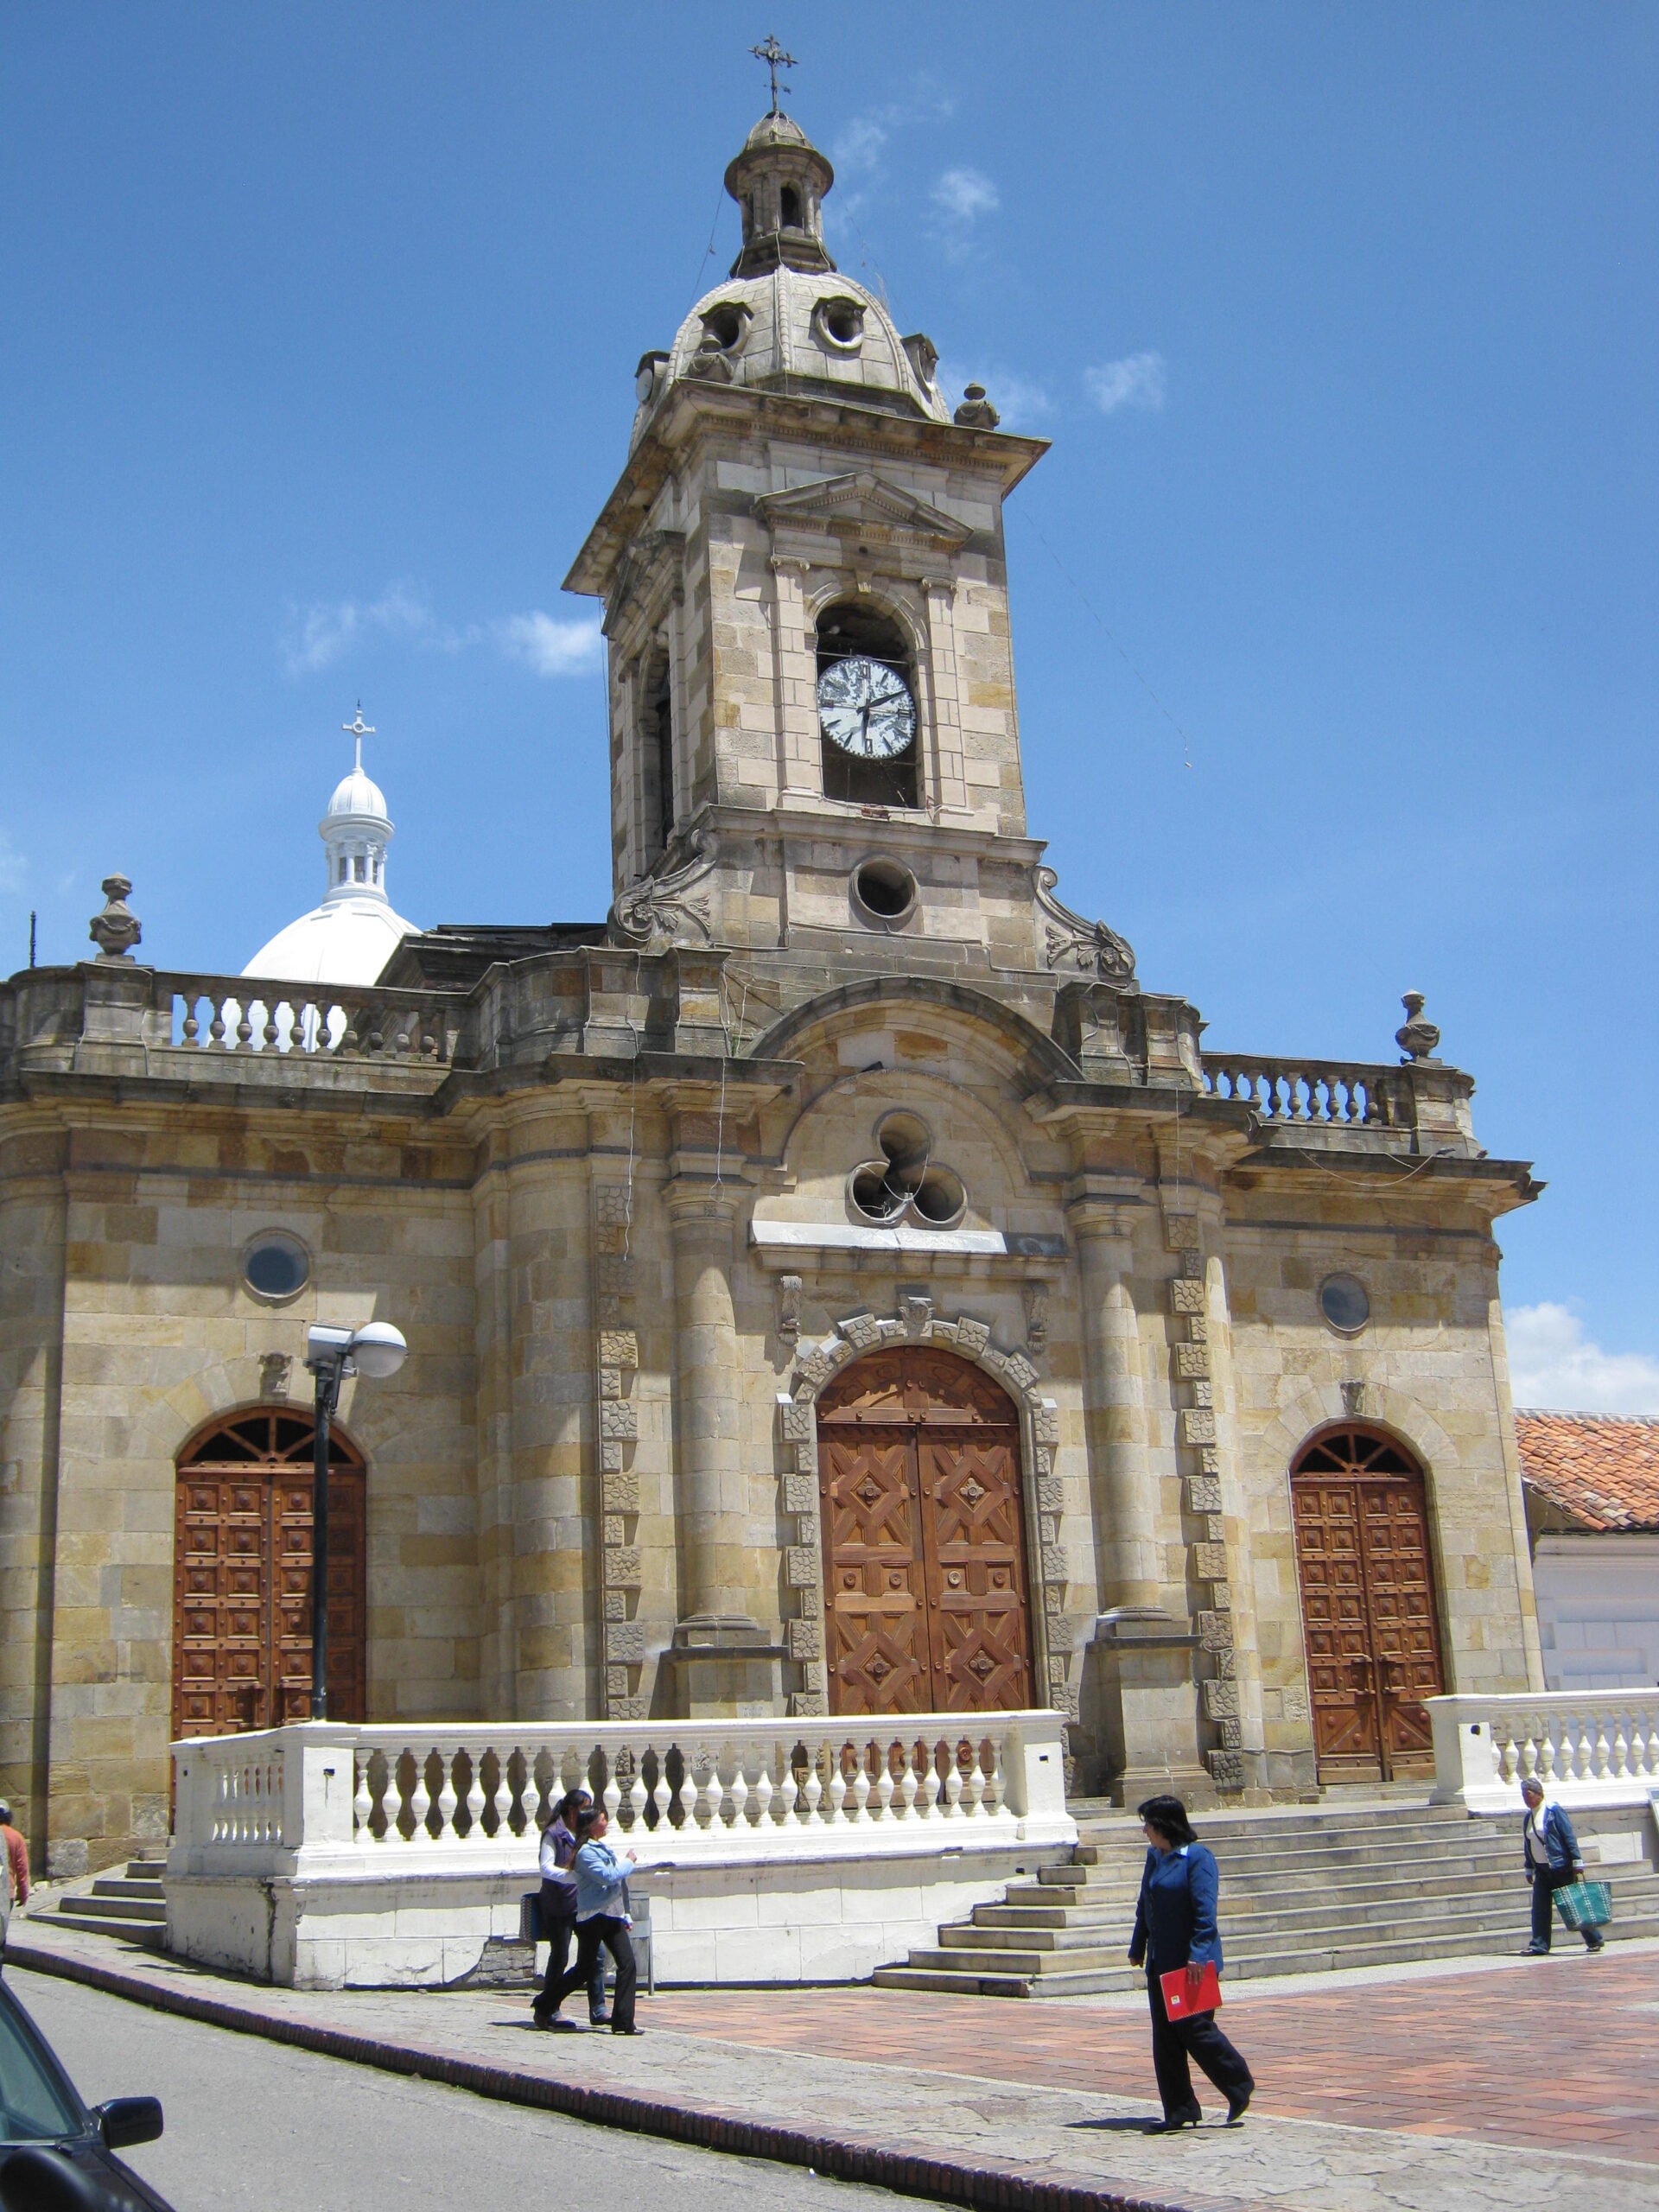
pixel 242 1575
pixel 926 1607
pixel 1368 1604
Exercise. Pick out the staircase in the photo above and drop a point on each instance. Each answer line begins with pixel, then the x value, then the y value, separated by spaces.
pixel 1302 1891
pixel 132 1905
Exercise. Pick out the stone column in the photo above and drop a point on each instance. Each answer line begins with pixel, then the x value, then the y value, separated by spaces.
pixel 1125 1506
pixel 949 778
pixel 1139 1686
pixel 800 757
pixel 719 1649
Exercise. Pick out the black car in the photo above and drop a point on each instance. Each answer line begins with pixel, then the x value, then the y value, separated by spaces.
pixel 56 2156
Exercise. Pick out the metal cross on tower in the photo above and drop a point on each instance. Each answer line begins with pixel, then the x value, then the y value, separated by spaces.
pixel 775 59
pixel 359 729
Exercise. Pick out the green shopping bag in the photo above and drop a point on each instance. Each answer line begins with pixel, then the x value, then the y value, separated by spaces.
pixel 1585 1904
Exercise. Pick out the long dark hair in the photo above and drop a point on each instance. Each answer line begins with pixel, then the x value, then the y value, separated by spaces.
pixel 1168 1816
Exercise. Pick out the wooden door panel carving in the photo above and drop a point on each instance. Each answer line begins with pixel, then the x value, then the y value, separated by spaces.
pixel 925 1594
pixel 1368 1606
pixel 242 1578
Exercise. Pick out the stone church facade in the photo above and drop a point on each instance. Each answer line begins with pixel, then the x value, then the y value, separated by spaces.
pixel 833 1283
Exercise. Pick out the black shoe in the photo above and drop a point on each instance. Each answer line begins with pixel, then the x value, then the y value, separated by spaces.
pixel 598 2019
pixel 1537 1951
pixel 1239 2106
pixel 1594 1943
pixel 1189 2116
pixel 616 2030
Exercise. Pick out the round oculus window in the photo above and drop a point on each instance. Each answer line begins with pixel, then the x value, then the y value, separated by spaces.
pixel 276 1267
pixel 885 891
pixel 1344 1303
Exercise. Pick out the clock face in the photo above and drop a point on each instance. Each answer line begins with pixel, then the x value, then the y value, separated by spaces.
pixel 866 708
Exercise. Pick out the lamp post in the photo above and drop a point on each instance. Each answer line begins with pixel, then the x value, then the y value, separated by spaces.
pixel 377 1349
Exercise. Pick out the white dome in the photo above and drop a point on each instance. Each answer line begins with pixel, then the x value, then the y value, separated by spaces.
pixel 348 939
pixel 344 941
pixel 360 797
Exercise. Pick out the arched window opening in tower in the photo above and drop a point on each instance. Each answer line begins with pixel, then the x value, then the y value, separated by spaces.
pixel 656 759
pixel 868 719
pixel 791 208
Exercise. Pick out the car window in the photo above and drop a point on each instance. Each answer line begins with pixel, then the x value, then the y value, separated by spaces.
pixel 32 2105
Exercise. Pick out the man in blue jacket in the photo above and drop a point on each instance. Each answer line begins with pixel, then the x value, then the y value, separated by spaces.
pixel 1553 1861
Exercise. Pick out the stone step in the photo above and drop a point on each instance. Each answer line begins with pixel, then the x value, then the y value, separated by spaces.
pixel 1368 1902
pixel 146 1870
pixel 150 1935
pixel 98 1907
pixel 127 1885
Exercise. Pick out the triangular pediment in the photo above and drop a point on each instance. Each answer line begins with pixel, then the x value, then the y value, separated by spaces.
pixel 862 501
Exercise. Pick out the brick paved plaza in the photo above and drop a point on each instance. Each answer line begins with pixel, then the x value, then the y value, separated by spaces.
pixel 1496 2084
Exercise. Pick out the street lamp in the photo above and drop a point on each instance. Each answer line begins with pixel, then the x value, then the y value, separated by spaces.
pixel 377 1349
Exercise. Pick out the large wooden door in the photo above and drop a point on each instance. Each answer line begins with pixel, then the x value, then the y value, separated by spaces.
pixel 1368 1606
pixel 242 1577
pixel 926 1600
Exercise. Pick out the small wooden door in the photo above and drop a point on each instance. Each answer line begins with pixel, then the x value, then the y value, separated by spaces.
pixel 925 1599
pixel 1368 1606
pixel 242 1577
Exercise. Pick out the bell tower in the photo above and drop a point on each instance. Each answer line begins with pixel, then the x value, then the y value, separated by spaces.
pixel 814 746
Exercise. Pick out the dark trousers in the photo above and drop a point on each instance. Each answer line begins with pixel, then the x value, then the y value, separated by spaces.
pixel 618 1938
pixel 558 1928
pixel 1546 1880
pixel 1174 2042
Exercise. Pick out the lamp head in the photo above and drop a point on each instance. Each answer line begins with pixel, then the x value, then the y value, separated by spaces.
pixel 325 1346
pixel 378 1350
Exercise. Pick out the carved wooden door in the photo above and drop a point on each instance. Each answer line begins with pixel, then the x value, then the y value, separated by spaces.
pixel 1368 1606
pixel 242 1578
pixel 926 1598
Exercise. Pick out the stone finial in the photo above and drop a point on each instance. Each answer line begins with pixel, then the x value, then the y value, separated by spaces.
pixel 976 412
pixel 117 929
pixel 1416 1038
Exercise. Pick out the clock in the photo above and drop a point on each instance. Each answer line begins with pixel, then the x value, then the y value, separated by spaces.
pixel 866 708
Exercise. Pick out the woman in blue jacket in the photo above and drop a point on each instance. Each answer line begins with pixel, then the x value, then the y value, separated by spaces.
pixel 1554 1859
pixel 1175 1928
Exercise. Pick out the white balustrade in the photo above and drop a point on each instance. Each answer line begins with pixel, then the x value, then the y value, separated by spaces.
pixel 677 1792
pixel 1589 1748
pixel 216 1013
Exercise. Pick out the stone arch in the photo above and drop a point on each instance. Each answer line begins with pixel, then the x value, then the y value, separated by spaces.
pixel 814 1367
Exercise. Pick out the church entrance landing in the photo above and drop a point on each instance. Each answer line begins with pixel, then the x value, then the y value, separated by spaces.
pixel 926 1598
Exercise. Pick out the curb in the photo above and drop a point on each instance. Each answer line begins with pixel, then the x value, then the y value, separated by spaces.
pixel 988 2188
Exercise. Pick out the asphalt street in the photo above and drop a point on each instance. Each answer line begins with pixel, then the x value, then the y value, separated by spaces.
pixel 253 2125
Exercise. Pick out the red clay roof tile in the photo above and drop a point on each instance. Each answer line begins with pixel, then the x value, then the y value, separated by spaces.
pixel 1600 1470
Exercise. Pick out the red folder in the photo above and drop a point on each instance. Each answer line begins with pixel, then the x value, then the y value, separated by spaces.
pixel 1177 2003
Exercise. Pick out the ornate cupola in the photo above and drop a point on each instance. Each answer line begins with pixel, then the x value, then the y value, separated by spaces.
pixel 779 181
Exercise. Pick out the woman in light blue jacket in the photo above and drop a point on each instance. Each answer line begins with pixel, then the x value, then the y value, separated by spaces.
pixel 602 1916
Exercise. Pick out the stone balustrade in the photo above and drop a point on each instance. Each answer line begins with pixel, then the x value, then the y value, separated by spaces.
pixel 1309 1090
pixel 1591 1749
pixel 676 1790
pixel 1422 1100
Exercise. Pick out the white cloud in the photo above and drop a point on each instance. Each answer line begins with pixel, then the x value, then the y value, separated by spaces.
pixel 1553 1367
pixel 1135 381
pixel 859 149
pixel 962 195
pixel 547 645
pixel 319 634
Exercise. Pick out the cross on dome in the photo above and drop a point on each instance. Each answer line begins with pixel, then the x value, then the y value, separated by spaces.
pixel 775 59
pixel 359 729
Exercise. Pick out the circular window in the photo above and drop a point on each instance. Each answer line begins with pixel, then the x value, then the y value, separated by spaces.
pixel 1344 1302
pixel 276 1267
pixel 885 891
pixel 939 1200
pixel 723 325
pixel 840 323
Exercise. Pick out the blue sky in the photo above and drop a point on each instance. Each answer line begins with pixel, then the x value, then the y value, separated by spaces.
pixel 318 362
